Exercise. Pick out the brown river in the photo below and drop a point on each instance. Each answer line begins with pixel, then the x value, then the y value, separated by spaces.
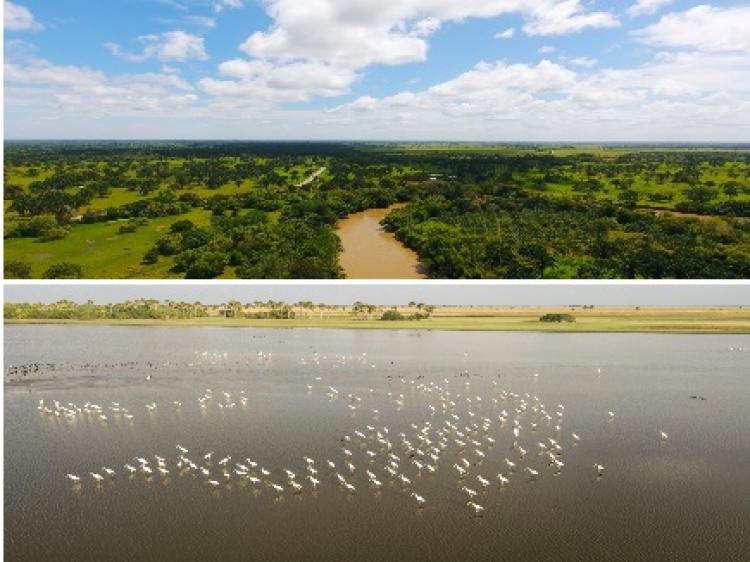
pixel 371 253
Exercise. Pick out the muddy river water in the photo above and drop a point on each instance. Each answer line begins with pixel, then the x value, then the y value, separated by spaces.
pixel 372 253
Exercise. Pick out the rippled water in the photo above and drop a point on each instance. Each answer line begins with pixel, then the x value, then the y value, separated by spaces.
pixel 683 498
pixel 369 252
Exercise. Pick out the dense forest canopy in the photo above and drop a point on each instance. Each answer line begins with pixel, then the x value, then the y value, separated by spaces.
pixel 269 210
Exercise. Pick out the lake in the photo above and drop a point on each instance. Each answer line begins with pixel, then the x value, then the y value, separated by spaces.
pixel 399 414
pixel 369 252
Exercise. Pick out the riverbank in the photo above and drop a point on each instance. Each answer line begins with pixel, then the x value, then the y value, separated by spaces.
pixel 605 319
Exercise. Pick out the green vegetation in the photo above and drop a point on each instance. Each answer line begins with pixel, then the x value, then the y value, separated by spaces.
pixel 222 210
pixel 556 317
pixel 417 316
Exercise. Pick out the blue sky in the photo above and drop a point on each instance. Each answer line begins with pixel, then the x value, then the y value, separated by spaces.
pixel 484 70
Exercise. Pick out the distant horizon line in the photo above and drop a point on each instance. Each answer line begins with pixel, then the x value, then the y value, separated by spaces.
pixel 375 141
pixel 380 304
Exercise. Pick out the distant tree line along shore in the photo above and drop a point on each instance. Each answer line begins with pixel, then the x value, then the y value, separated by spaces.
pixel 150 309
pixel 208 210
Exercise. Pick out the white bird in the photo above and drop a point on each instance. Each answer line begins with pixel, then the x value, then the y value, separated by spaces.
pixel 214 483
pixel 132 469
pixel 97 477
pixel 469 491
pixel 478 509
pixel 420 499
pixel 74 478
pixel 483 481
pixel 664 435
pixel 503 480
pixel 599 469
pixel 533 473
pixel 109 471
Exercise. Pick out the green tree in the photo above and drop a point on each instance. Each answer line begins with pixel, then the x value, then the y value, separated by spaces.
pixel 64 270
pixel 16 269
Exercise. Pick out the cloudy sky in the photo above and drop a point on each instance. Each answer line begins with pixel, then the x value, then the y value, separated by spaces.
pixel 718 293
pixel 492 70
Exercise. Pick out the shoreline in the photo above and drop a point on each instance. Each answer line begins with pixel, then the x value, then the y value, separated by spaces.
pixel 719 320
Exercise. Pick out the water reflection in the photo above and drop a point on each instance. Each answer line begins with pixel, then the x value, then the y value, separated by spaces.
pixel 449 448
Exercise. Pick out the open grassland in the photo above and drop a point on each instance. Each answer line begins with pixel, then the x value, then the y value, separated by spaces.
pixel 604 319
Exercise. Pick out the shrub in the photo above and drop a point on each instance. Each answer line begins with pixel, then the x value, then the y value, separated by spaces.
pixel 392 315
pixel 64 270
pixel 557 318
pixel 16 269
pixel 55 233
pixel 127 228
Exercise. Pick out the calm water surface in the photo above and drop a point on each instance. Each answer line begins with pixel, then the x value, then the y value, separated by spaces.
pixel 413 394
pixel 372 253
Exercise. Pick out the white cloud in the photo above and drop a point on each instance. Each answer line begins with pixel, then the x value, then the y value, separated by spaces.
pixel 507 34
pixel 546 49
pixel 583 61
pixel 173 4
pixel 18 18
pixel 220 5
pixel 264 84
pixel 646 7
pixel 484 79
pixel 696 96
pixel 90 93
pixel 171 46
pixel 338 39
pixel 704 28
pixel 359 33
pixel 562 18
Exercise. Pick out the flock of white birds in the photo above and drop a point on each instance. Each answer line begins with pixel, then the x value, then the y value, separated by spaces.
pixel 485 441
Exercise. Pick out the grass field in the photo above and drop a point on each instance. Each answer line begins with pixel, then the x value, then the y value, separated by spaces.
pixel 605 319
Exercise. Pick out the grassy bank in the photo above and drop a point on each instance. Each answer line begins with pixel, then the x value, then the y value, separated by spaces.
pixel 610 319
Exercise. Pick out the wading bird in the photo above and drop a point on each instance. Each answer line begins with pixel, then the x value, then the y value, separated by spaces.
pixel 478 509
pixel 420 499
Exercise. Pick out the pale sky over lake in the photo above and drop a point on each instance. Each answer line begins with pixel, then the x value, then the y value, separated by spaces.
pixel 436 293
